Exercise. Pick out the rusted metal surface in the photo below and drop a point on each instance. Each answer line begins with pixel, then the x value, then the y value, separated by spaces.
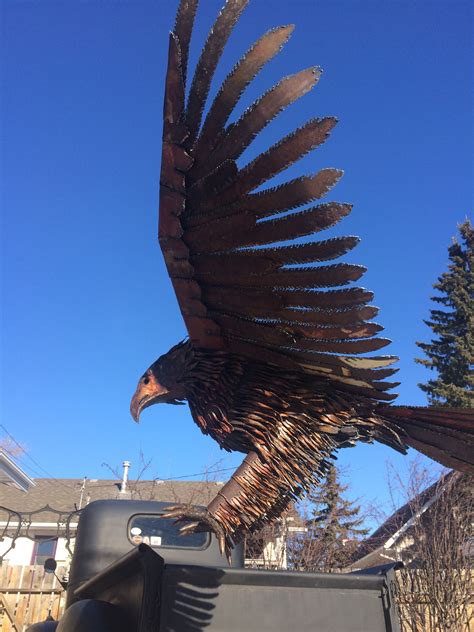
pixel 239 136
pixel 272 367
pixel 238 79
pixel 207 63
pixel 285 197
pixel 242 230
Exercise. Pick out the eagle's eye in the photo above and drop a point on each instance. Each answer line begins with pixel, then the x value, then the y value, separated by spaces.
pixel 146 380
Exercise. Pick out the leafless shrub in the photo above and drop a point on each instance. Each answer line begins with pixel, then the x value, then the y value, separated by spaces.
pixel 435 588
pixel 268 549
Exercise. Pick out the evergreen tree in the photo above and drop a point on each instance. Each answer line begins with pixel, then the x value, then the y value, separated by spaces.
pixel 332 532
pixel 451 352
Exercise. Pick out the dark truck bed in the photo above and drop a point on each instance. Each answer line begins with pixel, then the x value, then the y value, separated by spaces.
pixel 160 597
pixel 185 585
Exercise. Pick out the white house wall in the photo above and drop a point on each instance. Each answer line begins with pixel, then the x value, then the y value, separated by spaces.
pixel 21 554
pixel 62 555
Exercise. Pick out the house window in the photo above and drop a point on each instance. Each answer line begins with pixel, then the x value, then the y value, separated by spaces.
pixel 44 547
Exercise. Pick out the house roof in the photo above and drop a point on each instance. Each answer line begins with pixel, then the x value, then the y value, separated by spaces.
pixel 69 494
pixel 375 549
pixel 12 474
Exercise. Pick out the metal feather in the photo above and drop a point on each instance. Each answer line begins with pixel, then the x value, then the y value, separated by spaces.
pixel 238 136
pixel 243 230
pixel 207 64
pixel 284 153
pixel 231 90
pixel 322 276
pixel 183 28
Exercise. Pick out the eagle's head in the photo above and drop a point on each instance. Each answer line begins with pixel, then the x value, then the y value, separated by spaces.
pixel 162 382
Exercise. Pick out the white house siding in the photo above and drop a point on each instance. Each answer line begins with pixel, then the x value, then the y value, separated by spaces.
pixel 21 554
pixel 62 555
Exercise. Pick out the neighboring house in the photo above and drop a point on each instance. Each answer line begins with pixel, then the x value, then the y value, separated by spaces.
pixel 432 536
pixel 49 511
pixel 39 520
pixel 393 540
pixel 49 515
pixel 268 548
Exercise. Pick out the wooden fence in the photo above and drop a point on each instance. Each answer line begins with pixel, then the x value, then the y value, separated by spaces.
pixel 28 595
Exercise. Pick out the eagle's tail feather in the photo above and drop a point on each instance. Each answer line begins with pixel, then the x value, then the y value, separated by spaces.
pixel 443 434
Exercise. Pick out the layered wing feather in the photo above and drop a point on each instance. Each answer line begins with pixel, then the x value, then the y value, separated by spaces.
pixel 238 289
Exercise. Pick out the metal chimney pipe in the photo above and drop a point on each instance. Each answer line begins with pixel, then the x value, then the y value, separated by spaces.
pixel 123 487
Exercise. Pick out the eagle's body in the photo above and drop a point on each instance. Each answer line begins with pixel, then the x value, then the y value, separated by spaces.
pixel 275 365
pixel 246 405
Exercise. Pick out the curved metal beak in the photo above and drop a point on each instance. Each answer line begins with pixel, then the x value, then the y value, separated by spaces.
pixel 148 392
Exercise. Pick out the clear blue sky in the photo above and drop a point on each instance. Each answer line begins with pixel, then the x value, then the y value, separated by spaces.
pixel 87 302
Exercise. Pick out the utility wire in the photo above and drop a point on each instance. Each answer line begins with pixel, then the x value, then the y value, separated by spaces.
pixel 21 461
pixel 157 478
pixel 177 478
pixel 23 451
pixel 171 478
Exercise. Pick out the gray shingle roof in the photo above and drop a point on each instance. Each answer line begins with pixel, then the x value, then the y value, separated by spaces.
pixel 65 494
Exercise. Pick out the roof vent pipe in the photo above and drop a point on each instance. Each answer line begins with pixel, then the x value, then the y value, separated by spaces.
pixel 123 486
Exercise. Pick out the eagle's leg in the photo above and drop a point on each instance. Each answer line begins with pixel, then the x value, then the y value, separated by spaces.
pixel 216 517
pixel 236 504
pixel 251 494
pixel 257 493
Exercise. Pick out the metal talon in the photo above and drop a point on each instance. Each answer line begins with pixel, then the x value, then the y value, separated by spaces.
pixel 189 528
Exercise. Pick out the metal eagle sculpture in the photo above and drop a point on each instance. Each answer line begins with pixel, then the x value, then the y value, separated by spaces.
pixel 273 366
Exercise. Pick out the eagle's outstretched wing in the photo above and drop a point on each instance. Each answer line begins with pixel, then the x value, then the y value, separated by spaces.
pixel 276 365
pixel 238 291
